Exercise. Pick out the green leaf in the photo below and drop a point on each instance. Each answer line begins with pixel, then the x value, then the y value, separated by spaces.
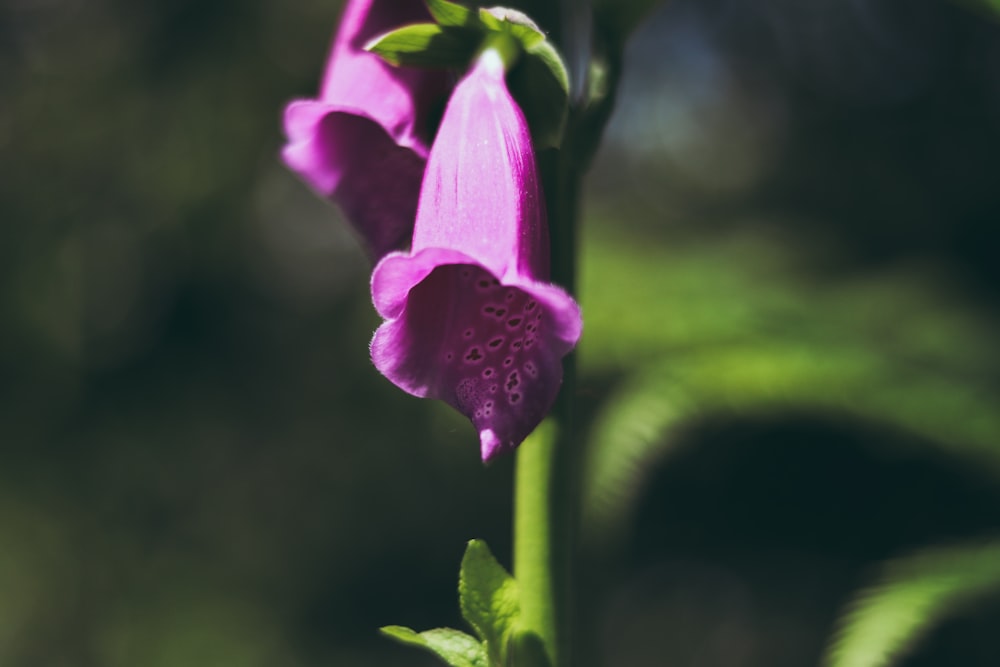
pixel 512 22
pixel 548 56
pixel 489 599
pixel 426 45
pixel 489 20
pixel 911 596
pixel 539 80
pixel 454 647
pixel 540 84
pixel 453 14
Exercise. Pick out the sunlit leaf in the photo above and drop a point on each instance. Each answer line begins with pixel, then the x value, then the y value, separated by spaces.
pixel 452 13
pixel 489 599
pixel 912 595
pixel 426 45
pixel 455 648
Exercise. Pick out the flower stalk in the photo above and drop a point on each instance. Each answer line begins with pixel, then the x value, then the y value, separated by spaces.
pixel 545 487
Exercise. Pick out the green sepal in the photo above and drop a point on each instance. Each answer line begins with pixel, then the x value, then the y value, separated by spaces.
pixel 453 14
pixel 540 84
pixel 539 81
pixel 426 45
pixel 489 599
pixel 453 646
pixel 544 52
pixel 513 22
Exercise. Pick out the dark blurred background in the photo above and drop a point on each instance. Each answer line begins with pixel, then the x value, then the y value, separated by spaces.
pixel 199 466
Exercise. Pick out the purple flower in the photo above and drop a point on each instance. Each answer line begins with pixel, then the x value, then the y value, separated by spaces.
pixel 363 143
pixel 469 318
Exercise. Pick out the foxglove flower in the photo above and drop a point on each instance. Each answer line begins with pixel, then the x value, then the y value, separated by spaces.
pixel 364 142
pixel 469 318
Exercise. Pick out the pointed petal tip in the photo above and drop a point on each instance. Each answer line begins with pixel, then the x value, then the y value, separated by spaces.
pixel 490 445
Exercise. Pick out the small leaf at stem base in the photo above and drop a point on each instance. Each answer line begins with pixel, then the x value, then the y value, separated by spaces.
pixel 489 599
pixel 456 648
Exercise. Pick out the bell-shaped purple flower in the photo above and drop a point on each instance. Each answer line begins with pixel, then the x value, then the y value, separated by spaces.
pixel 469 316
pixel 364 142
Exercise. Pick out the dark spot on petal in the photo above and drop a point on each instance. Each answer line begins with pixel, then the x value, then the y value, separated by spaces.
pixel 513 322
pixel 469 332
pixel 473 355
pixel 512 381
pixel 515 397
pixel 488 373
pixel 530 306
pixel 508 361
pixel 496 342
pixel 516 345
pixel 501 312
pixel 488 309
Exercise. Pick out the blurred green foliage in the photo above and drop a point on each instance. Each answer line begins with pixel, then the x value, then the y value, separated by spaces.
pixel 883 350
pixel 198 464
pixel 752 338
pixel 912 595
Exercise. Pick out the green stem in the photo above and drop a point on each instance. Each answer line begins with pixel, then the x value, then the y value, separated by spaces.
pixel 545 493
pixel 534 540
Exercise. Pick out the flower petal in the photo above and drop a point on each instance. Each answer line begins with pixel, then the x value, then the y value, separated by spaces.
pixel 480 193
pixel 352 160
pixel 400 99
pixel 369 131
pixel 492 351
pixel 469 317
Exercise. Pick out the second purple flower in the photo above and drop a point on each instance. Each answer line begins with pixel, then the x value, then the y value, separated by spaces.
pixel 363 141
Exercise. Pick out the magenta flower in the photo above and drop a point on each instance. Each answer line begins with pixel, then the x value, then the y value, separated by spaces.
pixel 469 318
pixel 363 143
